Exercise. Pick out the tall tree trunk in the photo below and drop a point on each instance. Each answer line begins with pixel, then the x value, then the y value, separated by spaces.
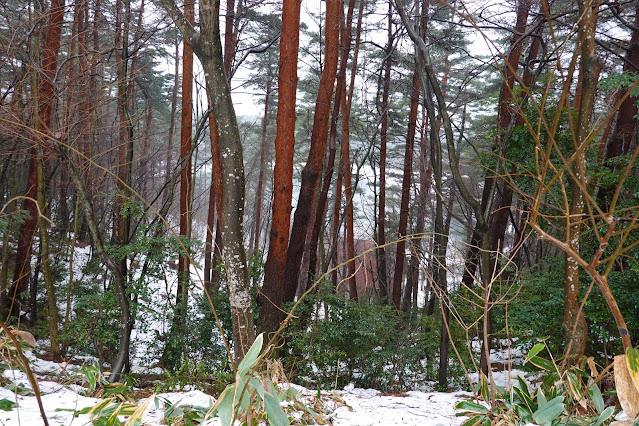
pixel 310 172
pixel 345 149
pixel 257 231
pixel 329 165
pixel 412 276
pixel 46 99
pixel 186 140
pixel 381 214
pixel 47 273
pixel 270 298
pixel 125 162
pixel 574 322
pixel 337 208
pixel 169 149
pixel 400 256
pixel 207 45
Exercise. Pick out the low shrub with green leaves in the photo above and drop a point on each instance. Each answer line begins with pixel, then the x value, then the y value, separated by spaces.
pixel 571 398
pixel 334 341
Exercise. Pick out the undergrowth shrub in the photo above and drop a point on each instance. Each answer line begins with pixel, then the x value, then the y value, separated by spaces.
pixel 334 342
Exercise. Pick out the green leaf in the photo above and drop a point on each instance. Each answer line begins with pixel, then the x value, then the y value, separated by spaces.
pixel 575 386
pixel 607 413
pixel 255 384
pixel 276 415
pixel 485 391
pixel 544 364
pixel 597 399
pixel 527 402
pixel 534 351
pixel 549 411
pixel 472 421
pixel 6 404
pixel 242 396
pixel 224 405
pixel 633 359
pixel 471 407
pixel 541 398
pixel 250 359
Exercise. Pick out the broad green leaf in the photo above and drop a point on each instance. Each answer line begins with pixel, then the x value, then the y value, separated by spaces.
pixel 575 386
pixel 523 385
pixel 276 415
pixel 470 407
pixel 472 421
pixel 607 413
pixel 483 386
pixel 549 411
pixel 242 395
pixel 544 364
pixel 526 400
pixel 6 404
pixel 250 359
pixel 541 398
pixel 632 360
pixel 254 384
pixel 597 399
pixel 534 351
pixel 224 405
pixel 632 355
pixel 525 413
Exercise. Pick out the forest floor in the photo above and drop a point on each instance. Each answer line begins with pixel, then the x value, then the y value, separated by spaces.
pixel 62 399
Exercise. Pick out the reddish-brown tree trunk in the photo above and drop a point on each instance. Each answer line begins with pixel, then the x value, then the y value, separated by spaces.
pixel 230 42
pixel 329 166
pixel 310 172
pixel 27 230
pixel 504 116
pixel 186 175
pixel 270 298
pixel 348 187
pixel 400 256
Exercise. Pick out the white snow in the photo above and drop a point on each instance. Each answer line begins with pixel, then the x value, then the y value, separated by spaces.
pixel 359 407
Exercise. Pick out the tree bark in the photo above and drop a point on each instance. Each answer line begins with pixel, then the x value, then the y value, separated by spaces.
pixel 46 100
pixel 207 45
pixel 574 322
pixel 381 214
pixel 186 139
pixel 329 166
pixel 310 172
pixel 257 231
pixel 400 256
pixel 270 298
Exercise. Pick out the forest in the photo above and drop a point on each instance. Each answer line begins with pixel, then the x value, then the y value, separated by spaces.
pixel 227 195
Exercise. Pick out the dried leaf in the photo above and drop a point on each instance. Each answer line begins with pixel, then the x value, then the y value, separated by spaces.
pixel 26 337
pixel 626 390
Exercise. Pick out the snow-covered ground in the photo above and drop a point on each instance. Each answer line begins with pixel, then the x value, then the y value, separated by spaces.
pixel 360 406
pixel 357 407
